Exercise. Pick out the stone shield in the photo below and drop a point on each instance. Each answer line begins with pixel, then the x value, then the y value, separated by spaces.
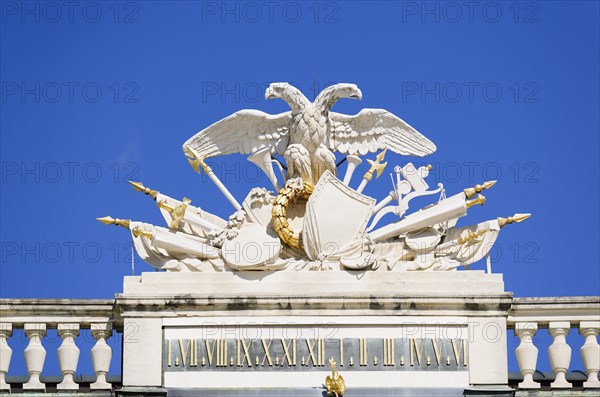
pixel 336 217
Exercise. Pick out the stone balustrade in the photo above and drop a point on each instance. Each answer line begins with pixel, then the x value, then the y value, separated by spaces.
pixel 558 315
pixel 68 317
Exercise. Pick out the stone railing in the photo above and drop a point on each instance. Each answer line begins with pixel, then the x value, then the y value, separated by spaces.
pixel 558 315
pixel 68 317
pixel 35 316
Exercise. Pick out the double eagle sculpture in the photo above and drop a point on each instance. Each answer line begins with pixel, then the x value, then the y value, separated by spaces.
pixel 315 221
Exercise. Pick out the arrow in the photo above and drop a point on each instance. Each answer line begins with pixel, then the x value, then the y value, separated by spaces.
pixel 109 220
pixel 516 218
pixel 139 187
pixel 470 192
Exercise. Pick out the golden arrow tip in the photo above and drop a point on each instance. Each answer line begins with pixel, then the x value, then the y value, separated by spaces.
pixel 472 191
pixel 489 184
pixel 516 218
pixel 479 200
pixel 109 220
pixel 520 217
pixel 139 187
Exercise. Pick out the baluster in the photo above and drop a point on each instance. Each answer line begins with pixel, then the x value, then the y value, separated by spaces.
pixel 101 355
pixel 527 354
pixel 5 354
pixel 35 355
pixel 560 353
pixel 590 352
pixel 68 355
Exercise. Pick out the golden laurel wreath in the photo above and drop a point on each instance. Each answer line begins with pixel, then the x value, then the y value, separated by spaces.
pixel 279 213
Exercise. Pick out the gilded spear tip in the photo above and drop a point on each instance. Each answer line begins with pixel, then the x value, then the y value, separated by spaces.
pixel 381 155
pixel 109 220
pixel 479 200
pixel 470 192
pixel 516 218
pixel 139 187
pixel 381 166
pixel 376 166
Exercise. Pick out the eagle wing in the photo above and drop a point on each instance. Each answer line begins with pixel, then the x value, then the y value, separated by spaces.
pixel 375 129
pixel 242 132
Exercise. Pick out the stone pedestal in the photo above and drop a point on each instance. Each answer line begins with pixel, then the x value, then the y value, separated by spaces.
pixel 399 333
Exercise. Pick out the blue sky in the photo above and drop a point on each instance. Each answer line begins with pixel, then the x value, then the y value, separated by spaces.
pixel 104 92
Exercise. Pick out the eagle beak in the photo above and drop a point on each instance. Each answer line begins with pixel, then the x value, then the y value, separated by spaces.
pixel 270 93
pixel 357 94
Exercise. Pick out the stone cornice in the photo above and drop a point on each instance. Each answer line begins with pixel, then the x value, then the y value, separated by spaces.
pixel 543 310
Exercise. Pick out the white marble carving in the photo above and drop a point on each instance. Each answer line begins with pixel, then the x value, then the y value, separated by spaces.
pixel 316 221
pixel 328 230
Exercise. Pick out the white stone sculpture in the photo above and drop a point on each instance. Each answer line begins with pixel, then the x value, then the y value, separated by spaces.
pixel 315 221
pixel 307 134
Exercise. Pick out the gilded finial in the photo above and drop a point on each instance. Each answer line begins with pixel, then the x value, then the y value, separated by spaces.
pixel 376 166
pixel 139 187
pixel 516 218
pixel 109 220
pixel 480 199
pixel 470 192
pixel 335 383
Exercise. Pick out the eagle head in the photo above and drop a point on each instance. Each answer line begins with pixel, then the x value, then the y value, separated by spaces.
pixel 276 90
pixel 330 95
pixel 345 90
pixel 290 94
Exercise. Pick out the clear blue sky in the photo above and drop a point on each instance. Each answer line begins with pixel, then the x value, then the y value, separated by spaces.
pixel 104 92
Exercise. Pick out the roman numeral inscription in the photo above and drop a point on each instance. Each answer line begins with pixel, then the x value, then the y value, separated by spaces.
pixel 388 352
pixel 312 354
